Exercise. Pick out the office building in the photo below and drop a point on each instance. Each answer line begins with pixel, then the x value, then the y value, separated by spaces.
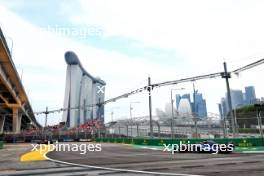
pixel 250 95
pixel 197 107
pixel 239 99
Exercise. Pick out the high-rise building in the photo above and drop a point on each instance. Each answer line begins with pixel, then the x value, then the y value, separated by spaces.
pixel 262 100
pixel 238 99
pixel 185 107
pixel 187 96
pixel 83 94
pixel 198 107
pixel 178 99
pixel 220 111
pixel 250 95
pixel 184 96
pixel 223 107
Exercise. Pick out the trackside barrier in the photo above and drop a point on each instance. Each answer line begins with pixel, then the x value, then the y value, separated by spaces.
pixel 241 142
pixel 1 144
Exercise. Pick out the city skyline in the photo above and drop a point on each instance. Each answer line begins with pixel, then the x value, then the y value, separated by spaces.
pixel 239 99
pixel 134 87
pixel 197 104
pixel 125 57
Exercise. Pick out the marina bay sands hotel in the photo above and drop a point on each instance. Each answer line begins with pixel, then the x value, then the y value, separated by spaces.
pixel 83 94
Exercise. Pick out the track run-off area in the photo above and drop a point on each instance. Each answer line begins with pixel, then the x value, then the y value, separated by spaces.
pixel 137 160
pixel 126 159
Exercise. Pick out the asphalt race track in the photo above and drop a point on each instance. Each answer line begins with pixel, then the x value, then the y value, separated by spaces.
pixel 121 159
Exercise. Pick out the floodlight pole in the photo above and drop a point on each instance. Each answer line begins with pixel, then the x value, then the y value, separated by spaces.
pixel 194 111
pixel 227 75
pixel 46 116
pixel 258 106
pixel 150 107
pixel 131 117
pixel 172 117
pixel 46 120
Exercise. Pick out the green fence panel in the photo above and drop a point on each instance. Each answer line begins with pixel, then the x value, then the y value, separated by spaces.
pixel 241 142
pixel 1 144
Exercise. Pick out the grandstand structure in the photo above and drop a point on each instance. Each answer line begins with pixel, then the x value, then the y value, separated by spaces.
pixel 186 126
pixel 84 94
pixel 15 109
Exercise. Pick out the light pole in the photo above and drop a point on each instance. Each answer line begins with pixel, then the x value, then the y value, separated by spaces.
pixel 112 120
pixel 226 75
pixel 130 110
pixel 260 124
pixel 223 120
pixel 45 125
pixel 258 106
pixel 194 111
pixel 112 113
pixel 149 88
pixel 172 113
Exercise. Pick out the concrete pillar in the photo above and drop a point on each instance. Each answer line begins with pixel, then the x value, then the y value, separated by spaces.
pixel 16 121
pixel 2 123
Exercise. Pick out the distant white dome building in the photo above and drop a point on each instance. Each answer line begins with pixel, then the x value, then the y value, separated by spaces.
pixel 185 107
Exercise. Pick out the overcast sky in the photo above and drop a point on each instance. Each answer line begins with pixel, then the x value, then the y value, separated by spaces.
pixel 125 41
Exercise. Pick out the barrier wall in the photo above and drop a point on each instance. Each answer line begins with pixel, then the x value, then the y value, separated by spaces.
pixel 241 142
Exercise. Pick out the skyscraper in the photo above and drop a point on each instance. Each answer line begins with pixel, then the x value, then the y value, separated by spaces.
pixel 198 107
pixel 250 95
pixel 237 98
pixel 220 111
pixel 185 107
pixel 178 99
pixel 187 96
pixel 223 107
pixel 262 100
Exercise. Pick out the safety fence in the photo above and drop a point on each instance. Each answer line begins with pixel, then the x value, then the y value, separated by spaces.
pixel 241 142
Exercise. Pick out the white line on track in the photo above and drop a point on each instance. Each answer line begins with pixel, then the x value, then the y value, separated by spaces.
pixel 252 152
pixel 119 170
pixel 151 148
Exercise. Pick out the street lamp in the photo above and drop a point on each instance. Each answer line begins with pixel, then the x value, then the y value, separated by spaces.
pixel 131 108
pixel 172 112
pixel 258 107
pixel 112 113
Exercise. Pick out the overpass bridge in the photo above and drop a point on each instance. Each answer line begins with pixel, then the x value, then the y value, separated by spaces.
pixel 15 110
